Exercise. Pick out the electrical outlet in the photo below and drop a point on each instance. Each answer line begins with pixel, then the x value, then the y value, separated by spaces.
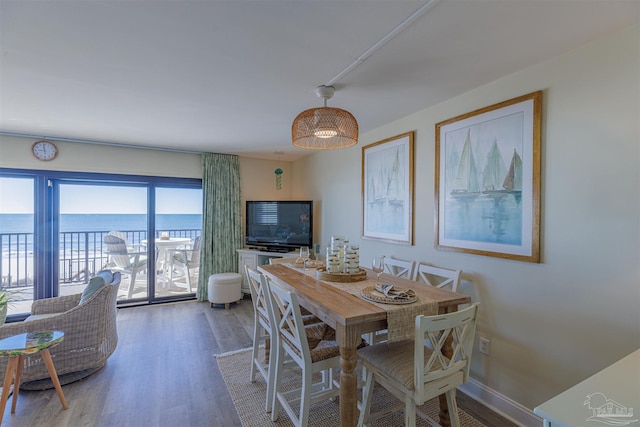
pixel 484 345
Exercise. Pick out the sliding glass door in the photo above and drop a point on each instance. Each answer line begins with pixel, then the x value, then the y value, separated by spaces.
pixel 17 241
pixel 58 229
pixel 87 213
pixel 178 226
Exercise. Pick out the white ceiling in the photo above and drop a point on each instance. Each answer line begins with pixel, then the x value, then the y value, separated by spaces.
pixel 230 76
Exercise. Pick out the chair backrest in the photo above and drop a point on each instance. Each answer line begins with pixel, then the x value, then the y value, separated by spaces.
pixel 431 334
pixel 117 250
pixel 437 276
pixel 398 267
pixel 120 234
pixel 195 252
pixel 288 323
pixel 260 297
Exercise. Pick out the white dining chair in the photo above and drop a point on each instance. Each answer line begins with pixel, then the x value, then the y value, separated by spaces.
pixel 312 348
pixel 415 372
pixel 261 332
pixel 437 276
pixel 398 267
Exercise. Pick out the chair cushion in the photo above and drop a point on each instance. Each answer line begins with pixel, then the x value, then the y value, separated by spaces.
pixel 394 359
pixel 102 278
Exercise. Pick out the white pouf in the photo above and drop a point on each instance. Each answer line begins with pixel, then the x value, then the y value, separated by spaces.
pixel 224 288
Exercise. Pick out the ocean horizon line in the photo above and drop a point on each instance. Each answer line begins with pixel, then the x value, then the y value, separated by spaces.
pixel 24 223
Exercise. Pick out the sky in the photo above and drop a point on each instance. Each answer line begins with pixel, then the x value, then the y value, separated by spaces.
pixel 16 196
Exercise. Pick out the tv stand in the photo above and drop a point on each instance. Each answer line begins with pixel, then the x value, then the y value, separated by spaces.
pixel 255 257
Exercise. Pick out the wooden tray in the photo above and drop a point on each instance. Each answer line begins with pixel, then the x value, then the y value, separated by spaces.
pixel 322 274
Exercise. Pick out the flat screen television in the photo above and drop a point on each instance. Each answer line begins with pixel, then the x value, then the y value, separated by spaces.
pixel 279 226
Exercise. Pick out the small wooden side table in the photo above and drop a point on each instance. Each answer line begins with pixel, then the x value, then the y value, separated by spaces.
pixel 16 347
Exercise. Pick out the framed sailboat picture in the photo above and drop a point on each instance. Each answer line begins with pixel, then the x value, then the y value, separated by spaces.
pixel 487 180
pixel 387 190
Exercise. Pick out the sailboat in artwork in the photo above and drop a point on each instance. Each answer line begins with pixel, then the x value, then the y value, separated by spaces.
pixel 494 169
pixel 513 179
pixel 466 181
pixel 394 190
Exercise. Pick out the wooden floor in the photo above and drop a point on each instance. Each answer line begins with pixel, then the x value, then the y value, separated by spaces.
pixel 163 373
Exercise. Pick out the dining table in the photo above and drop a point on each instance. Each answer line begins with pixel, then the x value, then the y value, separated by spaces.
pixel 341 306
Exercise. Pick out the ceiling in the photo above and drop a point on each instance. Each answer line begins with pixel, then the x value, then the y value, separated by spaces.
pixel 230 76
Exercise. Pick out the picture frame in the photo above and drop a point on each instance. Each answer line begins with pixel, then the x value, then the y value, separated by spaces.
pixel 387 190
pixel 487 180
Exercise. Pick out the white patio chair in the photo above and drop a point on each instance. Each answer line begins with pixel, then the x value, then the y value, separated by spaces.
pixel 125 261
pixel 131 247
pixel 187 259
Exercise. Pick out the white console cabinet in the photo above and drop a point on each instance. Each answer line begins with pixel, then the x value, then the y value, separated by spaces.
pixel 253 258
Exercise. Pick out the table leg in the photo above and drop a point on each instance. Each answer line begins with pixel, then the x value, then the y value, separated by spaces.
pixel 447 351
pixel 348 341
pixel 8 379
pixel 16 383
pixel 46 356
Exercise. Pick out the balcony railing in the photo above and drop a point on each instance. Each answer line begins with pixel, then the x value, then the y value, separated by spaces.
pixel 81 254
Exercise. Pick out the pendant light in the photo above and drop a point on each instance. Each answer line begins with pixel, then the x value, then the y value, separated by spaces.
pixel 324 128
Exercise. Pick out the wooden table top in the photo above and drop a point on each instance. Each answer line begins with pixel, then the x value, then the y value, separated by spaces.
pixel 335 306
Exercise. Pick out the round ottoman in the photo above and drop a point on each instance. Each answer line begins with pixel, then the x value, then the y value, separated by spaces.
pixel 224 288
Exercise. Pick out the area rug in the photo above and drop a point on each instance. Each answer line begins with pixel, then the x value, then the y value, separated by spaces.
pixel 249 399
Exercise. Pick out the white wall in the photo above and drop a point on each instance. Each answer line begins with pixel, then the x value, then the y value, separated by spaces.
pixel 258 179
pixel 15 152
pixel 555 323
pixel 257 176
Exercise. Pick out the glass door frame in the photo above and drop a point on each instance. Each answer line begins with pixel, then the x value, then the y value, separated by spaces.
pixel 46 224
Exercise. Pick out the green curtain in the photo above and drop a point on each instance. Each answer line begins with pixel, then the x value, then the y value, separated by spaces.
pixel 221 218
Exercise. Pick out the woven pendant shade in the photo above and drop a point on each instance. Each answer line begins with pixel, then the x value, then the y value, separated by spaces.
pixel 324 128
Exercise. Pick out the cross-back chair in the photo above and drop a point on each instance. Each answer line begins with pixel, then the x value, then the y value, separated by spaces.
pixel 398 267
pixel 437 276
pixel 312 347
pixel 262 331
pixel 417 370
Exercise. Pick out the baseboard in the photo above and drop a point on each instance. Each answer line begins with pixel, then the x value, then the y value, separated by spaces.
pixel 513 411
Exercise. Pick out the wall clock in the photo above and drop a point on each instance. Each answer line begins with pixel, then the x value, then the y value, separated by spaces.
pixel 44 150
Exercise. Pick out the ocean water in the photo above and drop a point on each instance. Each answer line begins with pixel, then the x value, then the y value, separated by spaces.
pixel 23 223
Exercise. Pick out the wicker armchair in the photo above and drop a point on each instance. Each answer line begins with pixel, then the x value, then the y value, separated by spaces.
pixel 90 335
